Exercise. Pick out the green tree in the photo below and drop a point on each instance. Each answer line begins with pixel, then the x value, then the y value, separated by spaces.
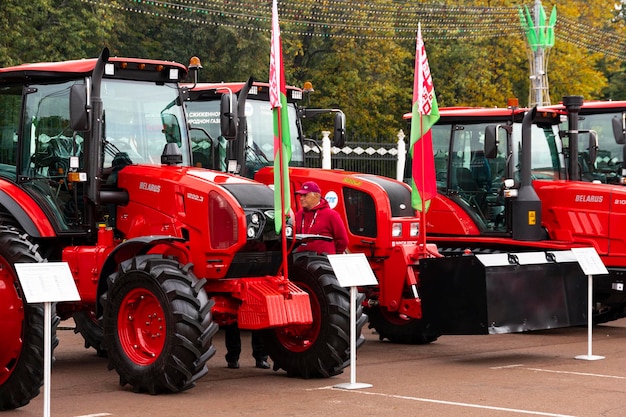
pixel 51 30
pixel 358 55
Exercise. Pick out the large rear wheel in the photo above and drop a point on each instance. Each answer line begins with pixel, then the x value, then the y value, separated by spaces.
pixel 158 327
pixel 398 329
pixel 21 326
pixel 321 349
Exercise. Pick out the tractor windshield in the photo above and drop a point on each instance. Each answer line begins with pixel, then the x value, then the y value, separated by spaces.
pixel 140 119
pixel 211 152
pixel 547 153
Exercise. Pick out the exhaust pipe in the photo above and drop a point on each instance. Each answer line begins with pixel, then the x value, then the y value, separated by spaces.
pixel 526 208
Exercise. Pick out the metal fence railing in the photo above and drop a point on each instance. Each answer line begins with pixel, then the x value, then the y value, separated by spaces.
pixel 369 158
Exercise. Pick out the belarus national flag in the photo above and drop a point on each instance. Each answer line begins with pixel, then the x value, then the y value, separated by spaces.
pixel 425 115
pixel 282 137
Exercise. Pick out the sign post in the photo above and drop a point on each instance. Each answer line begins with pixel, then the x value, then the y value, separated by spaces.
pixel 591 264
pixel 46 283
pixel 352 270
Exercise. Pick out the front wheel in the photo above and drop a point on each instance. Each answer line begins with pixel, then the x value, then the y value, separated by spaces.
pixel 322 349
pixel 398 329
pixel 158 327
pixel 21 327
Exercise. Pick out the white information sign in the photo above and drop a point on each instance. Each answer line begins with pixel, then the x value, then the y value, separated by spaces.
pixel 590 261
pixel 352 269
pixel 47 282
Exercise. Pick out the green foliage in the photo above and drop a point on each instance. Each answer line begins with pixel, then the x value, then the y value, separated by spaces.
pixel 359 56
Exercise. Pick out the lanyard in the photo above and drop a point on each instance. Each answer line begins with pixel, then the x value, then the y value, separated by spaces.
pixel 312 222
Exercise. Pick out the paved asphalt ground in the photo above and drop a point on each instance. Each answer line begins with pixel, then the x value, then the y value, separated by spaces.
pixel 531 374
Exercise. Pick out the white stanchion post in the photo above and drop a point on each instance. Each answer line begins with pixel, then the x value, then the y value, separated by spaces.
pixel 401 156
pixel 591 264
pixel 353 384
pixel 589 356
pixel 326 150
pixel 352 270
pixel 47 358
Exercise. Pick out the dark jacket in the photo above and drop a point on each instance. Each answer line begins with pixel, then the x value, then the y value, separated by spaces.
pixel 322 220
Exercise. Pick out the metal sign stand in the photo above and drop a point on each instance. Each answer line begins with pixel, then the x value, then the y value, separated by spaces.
pixel 47 282
pixel 591 264
pixel 352 270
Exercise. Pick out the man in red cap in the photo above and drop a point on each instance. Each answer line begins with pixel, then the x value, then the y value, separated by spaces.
pixel 316 217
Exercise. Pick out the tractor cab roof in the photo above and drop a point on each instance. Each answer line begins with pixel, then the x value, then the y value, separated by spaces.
pixel 131 68
pixel 259 90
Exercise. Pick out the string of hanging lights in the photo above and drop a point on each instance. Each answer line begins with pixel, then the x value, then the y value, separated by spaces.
pixel 367 20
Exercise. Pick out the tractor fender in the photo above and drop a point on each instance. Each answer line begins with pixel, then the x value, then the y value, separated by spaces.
pixel 25 211
pixel 134 247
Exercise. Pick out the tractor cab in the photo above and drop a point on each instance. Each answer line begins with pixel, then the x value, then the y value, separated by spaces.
pixel 255 140
pixel 478 166
pixel 52 153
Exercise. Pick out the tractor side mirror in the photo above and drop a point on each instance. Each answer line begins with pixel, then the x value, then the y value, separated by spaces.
pixel 228 116
pixel 339 138
pixel 80 107
pixel 619 130
pixel 171 128
pixel 491 141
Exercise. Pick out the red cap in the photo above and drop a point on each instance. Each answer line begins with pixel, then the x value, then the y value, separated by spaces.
pixel 309 187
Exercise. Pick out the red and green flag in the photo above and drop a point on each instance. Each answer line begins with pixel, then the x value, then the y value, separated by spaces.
pixel 282 137
pixel 425 114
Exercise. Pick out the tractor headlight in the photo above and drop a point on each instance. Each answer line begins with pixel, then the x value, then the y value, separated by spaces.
pixel 255 223
pixel 396 229
pixel 415 229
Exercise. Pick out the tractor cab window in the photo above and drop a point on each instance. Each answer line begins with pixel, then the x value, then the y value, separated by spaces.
pixel 47 144
pixel 441 135
pixel 208 147
pixel 471 174
pixel 140 119
pixel 609 161
pixel 10 111
pixel 261 135
pixel 547 154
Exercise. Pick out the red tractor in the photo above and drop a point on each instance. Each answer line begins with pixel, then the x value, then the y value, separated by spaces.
pixel 377 210
pixel 508 185
pixel 96 171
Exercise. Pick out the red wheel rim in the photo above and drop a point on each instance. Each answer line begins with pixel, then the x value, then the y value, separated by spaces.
pixel 141 326
pixel 301 338
pixel 11 322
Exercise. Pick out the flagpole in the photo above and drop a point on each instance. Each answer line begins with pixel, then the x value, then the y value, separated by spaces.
pixel 425 110
pixel 277 89
pixel 422 234
pixel 282 197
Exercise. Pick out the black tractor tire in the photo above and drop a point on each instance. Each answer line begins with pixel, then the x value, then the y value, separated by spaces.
pixel 320 350
pixel 397 329
pixel 90 328
pixel 23 355
pixel 158 326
